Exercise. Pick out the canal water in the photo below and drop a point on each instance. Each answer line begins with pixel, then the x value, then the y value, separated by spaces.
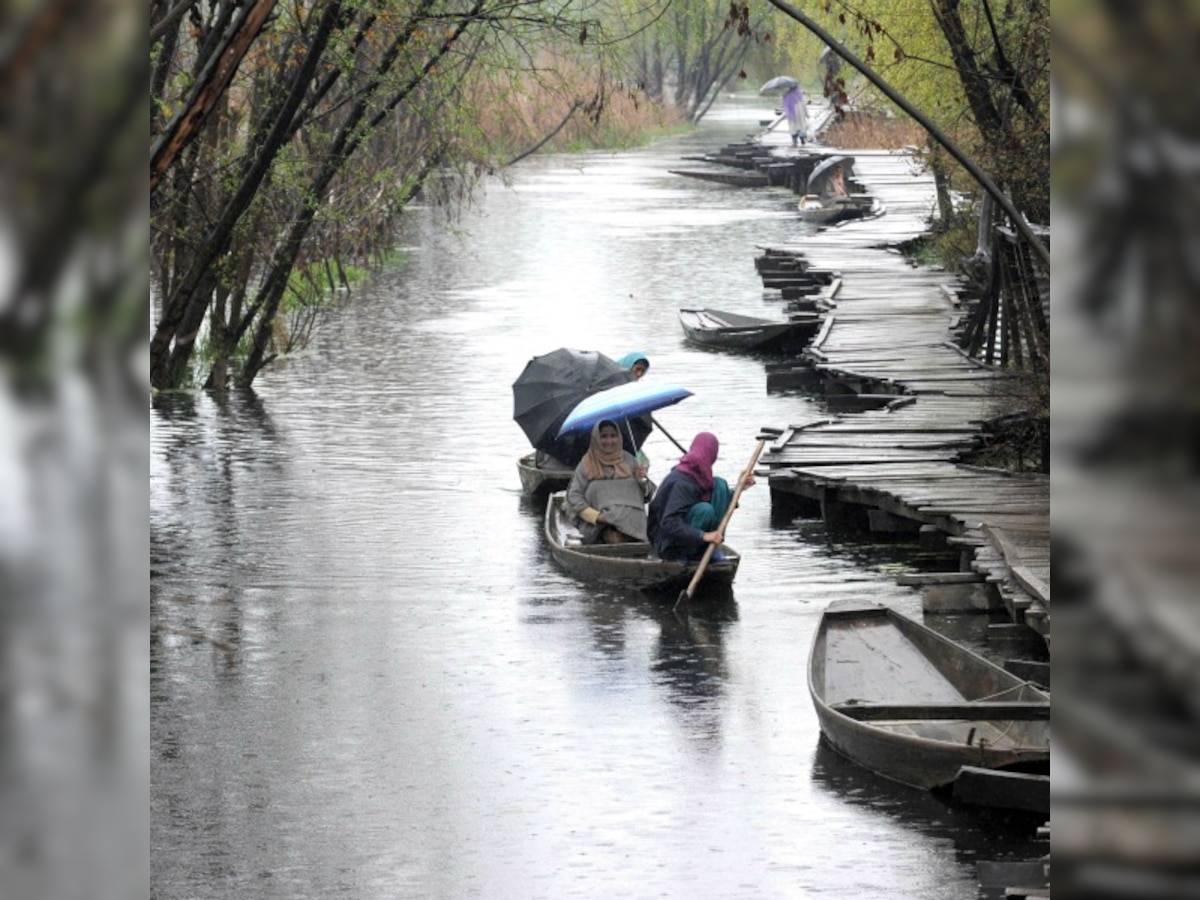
pixel 370 680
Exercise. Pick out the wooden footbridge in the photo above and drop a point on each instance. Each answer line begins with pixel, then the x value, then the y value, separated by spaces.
pixel 904 404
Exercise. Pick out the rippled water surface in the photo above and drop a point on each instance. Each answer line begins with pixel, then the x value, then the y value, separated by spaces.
pixel 368 677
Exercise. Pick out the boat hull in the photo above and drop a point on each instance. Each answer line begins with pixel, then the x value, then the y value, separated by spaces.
pixel 536 482
pixel 716 329
pixel 831 212
pixel 901 700
pixel 631 565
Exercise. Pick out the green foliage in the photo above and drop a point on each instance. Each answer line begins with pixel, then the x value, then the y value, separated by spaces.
pixel 979 69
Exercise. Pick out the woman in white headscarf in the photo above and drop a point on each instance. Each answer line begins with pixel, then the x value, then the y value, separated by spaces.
pixel 608 490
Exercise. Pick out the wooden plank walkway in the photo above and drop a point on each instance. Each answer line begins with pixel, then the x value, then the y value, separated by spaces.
pixel 885 343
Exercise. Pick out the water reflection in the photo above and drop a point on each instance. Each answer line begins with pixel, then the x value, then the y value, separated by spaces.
pixel 975 833
pixel 690 666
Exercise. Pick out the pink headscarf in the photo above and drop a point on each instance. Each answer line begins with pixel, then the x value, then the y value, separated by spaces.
pixel 698 461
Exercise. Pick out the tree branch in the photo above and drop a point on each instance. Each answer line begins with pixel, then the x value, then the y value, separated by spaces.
pixel 538 146
pixel 208 89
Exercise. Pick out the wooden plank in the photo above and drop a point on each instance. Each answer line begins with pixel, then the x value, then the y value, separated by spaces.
pixel 1003 790
pixel 1031 583
pixel 826 327
pixel 912 579
pixel 1030 670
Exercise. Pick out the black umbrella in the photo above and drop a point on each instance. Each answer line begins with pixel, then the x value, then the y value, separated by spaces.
pixel 548 389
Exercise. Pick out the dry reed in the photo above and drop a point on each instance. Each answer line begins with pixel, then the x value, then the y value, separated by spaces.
pixel 858 130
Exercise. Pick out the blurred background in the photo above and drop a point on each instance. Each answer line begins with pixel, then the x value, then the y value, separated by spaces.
pixel 1124 448
pixel 74 712
pixel 74 708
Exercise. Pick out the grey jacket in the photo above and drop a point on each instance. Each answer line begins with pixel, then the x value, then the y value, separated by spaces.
pixel 621 500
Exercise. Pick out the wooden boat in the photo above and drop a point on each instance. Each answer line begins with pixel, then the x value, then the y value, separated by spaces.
pixel 832 195
pixel 831 210
pixel 633 565
pixel 810 279
pixel 907 703
pixel 537 481
pixel 715 328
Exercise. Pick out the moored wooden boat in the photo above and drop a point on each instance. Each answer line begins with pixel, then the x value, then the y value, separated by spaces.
pixel 536 481
pixel 833 195
pixel 831 210
pixel 901 700
pixel 732 331
pixel 633 565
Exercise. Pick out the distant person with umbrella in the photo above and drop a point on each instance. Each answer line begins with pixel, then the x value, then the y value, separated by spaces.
pixel 689 505
pixel 609 489
pixel 795 106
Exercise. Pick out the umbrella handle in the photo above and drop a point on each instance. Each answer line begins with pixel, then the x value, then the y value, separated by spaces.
pixel 658 425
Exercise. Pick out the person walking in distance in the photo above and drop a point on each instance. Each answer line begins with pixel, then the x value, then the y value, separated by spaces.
pixel 795 106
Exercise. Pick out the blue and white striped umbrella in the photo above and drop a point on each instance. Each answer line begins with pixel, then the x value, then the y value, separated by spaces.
pixel 632 399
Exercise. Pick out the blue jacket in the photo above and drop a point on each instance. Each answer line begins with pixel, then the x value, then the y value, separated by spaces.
pixel 671 535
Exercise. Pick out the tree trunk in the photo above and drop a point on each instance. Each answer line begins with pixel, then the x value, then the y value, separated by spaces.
pixel 208 89
pixel 347 141
pixel 941 183
pixel 173 341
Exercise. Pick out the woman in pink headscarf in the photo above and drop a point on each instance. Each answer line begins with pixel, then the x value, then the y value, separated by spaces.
pixel 689 505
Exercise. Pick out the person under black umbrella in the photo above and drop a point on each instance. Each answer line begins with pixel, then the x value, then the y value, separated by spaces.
pixel 636 362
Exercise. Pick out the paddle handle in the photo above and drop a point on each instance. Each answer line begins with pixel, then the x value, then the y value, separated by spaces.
pixel 711 548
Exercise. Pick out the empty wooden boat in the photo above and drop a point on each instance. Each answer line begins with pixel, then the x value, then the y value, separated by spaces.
pixel 722 330
pixel 633 565
pixel 907 703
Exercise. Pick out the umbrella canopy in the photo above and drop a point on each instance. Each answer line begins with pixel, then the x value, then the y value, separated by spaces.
pixel 621 402
pixel 779 83
pixel 551 386
pixel 825 170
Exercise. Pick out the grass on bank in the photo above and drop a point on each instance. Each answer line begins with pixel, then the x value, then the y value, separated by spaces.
pixel 864 130
pixel 578 110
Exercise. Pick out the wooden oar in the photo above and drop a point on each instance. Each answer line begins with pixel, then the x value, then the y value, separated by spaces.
pixel 686 594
